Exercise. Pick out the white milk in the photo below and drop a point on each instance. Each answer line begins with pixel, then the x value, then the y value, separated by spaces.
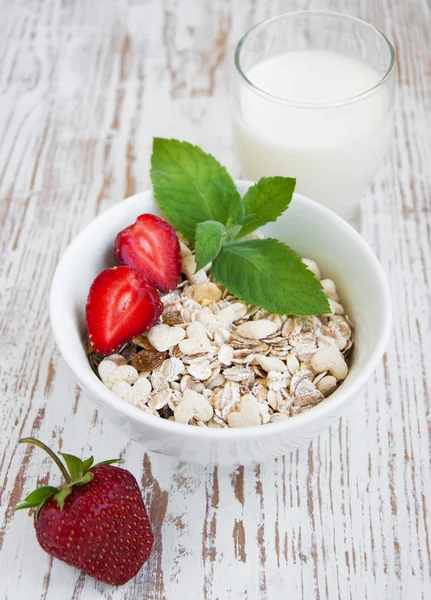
pixel 332 152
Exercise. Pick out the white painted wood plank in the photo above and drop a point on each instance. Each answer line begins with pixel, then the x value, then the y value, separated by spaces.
pixel 84 87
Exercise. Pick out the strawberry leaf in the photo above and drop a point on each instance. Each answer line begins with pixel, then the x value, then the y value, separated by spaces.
pixel 266 200
pixel 108 462
pixel 190 185
pixel 62 494
pixel 86 464
pixel 86 478
pixel 268 273
pixel 209 239
pixel 74 465
pixel 37 497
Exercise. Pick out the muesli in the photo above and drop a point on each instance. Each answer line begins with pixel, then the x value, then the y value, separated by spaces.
pixel 231 329
pixel 215 361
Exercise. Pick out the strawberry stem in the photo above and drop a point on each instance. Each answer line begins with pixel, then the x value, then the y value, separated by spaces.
pixel 54 457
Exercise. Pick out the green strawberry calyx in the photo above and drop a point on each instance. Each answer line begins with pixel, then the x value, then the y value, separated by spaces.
pixel 76 472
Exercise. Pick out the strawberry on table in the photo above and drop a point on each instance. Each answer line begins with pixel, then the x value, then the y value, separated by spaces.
pixel 121 305
pixel 151 246
pixel 95 521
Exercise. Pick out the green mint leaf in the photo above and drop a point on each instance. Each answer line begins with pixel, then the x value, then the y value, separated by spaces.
pixel 74 465
pixel 37 496
pixel 237 211
pixel 233 231
pixel 86 464
pixel 208 241
pixel 190 186
pixel 267 200
pixel 248 219
pixel 268 273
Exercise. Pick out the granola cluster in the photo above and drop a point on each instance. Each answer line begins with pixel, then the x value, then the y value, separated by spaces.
pixel 213 361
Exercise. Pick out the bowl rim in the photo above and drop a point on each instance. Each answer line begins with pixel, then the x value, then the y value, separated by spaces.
pixel 334 403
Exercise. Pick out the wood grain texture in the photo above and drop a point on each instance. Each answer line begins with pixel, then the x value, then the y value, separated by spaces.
pixel 84 86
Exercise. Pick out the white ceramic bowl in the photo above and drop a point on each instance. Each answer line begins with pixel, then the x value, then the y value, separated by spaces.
pixel 314 232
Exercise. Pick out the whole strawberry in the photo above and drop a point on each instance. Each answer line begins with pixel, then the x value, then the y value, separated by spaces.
pixel 95 521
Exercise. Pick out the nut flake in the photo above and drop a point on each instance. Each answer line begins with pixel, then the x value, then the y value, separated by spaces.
pixel 330 359
pixel 292 363
pixel 256 330
pixel 225 355
pixel 270 363
pixel 162 337
pixel 213 361
pixel 206 292
pixel 330 290
pixel 195 345
pixel 327 385
pixel 248 414
pixel 193 405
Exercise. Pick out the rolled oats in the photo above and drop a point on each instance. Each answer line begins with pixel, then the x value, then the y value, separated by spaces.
pixel 215 381
pixel 215 362
pixel 277 381
pixel 278 418
pixel 200 369
pixel 237 374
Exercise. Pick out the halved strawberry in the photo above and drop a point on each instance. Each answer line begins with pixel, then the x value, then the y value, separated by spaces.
pixel 121 305
pixel 151 245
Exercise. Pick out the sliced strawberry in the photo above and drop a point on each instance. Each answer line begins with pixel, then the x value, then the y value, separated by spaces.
pixel 121 305
pixel 151 245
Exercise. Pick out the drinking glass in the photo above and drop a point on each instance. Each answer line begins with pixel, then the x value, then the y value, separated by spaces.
pixel 312 98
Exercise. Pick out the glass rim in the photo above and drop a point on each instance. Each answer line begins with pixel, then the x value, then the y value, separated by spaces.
pixel 315 105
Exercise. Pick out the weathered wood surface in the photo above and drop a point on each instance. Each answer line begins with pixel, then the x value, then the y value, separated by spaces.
pixel 84 87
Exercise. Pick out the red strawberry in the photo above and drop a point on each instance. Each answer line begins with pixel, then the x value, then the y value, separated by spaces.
pixel 151 245
pixel 95 521
pixel 121 305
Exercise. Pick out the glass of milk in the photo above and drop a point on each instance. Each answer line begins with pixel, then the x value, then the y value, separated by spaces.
pixel 313 99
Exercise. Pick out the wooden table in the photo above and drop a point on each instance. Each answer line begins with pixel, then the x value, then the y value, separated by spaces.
pixel 84 87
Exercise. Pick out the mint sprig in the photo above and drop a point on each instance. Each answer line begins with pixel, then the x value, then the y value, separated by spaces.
pixel 190 186
pixel 208 242
pixel 200 199
pixel 265 201
pixel 256 270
